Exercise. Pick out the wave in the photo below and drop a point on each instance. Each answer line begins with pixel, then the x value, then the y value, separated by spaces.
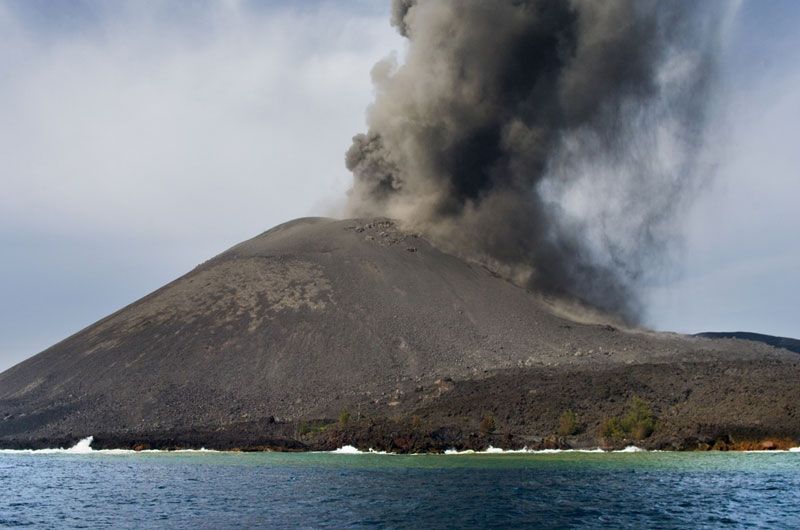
pixel 498 451
pixel 350 450
pixel 347 450
pixel 769 451
pixel 630 449
pixel 84 447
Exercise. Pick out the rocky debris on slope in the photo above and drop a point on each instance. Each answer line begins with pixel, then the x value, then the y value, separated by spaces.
pixel 316 316
pixel 778 342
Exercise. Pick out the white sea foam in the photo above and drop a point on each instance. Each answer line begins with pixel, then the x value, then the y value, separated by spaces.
pixel 84 447
pixel 497 451
pixel 457 452
pixel 630 449
pixel 350 450
pixel 346 450
pixel 557 451
pixel 772 451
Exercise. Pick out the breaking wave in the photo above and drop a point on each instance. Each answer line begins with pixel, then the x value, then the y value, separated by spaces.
pixel 346 450
pixel 351 450
pixel 84 447
pixel 498 451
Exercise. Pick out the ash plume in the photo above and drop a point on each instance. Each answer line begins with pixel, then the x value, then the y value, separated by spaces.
pixel 555 141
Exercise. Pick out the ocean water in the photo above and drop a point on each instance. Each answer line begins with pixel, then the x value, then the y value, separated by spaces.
pixel 80 488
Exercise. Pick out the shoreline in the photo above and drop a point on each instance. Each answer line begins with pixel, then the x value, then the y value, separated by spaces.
pixel 84 447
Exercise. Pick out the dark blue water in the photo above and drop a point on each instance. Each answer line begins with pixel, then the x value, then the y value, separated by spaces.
pixel 636 490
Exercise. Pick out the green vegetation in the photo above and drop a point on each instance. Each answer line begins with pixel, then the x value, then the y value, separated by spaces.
pixel 637 424
pixel 344 418
pixel 610 429
pixel 487 425
pixel 312 427
pixel 568 424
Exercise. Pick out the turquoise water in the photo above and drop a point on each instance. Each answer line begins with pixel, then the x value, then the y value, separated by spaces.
pixel 279 490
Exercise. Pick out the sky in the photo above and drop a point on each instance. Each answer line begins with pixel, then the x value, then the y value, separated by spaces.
pixel 139 139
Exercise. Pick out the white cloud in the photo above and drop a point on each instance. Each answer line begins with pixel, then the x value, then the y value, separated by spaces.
pixel 143 126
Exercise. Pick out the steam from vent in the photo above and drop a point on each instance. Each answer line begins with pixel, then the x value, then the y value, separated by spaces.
pixel 555 141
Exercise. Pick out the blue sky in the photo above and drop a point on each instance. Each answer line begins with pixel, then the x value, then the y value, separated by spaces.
pixel 139 139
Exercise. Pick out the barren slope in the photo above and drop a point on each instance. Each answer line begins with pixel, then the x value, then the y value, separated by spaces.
pixel 316 316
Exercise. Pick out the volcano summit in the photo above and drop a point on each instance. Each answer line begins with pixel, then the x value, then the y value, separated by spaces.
pixel 322 332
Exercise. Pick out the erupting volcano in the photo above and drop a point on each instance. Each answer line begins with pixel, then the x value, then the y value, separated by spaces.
pixel 522 172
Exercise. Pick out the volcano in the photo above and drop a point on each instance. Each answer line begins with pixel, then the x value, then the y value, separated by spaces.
pixel 321 332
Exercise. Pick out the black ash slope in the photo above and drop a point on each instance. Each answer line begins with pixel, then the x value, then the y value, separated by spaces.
pixel 264 343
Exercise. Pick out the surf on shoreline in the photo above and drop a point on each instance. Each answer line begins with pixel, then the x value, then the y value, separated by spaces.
pixel 84 447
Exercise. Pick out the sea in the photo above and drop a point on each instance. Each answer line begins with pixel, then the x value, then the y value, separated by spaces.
pixel 83 488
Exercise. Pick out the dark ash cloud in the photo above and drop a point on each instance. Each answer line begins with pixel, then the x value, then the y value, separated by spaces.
pixel 556 141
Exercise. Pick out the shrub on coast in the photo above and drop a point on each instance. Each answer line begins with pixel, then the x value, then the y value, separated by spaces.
pixel 638 423
pixel 487 425
pixel 611 430
pixel 568 423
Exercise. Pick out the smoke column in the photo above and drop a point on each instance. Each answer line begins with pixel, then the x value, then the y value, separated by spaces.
pixel 555 141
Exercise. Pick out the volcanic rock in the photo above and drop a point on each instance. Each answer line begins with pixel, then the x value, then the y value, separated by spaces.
pixel 267 344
